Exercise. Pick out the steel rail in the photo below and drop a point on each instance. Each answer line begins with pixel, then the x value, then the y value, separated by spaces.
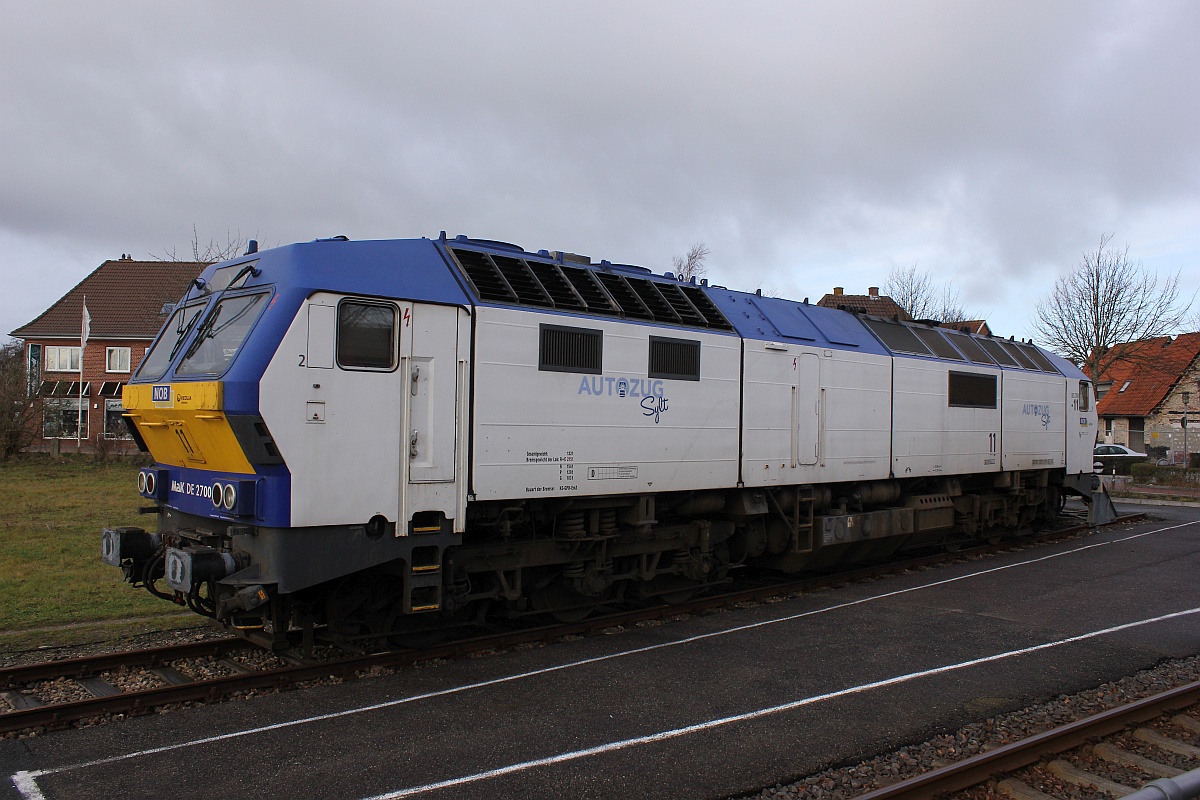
pixel 212 690
pixel 977 769
pixel 86 666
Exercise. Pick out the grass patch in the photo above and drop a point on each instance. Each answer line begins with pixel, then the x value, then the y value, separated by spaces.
pixel 51 577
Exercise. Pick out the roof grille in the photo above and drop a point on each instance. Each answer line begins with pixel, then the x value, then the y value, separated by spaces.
pixel 497 278
pixel 485 277
pixel 706 308
pixel 624 296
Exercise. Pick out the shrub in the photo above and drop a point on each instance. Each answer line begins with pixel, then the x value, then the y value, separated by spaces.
pixel 1165 476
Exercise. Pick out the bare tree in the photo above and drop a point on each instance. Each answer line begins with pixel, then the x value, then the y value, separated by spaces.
pixel 1106 301
pixel 916 292
pixel 235 244
pixel 17 414
pixel 691 265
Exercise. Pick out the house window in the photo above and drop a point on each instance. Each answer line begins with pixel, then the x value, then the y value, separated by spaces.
pixel 677 359
pixel 34 370
pixel 114 426
pixel 366 335
pixel 61 418
pixel 62 359
pixel 116 359
pixel 568 349
pixel 972 390
pixel 1124 386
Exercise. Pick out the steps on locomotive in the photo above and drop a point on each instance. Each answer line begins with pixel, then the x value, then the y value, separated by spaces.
pixel 798 516
pixel 423 580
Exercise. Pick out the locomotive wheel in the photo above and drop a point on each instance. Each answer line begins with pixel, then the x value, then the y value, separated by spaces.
pixel 564 604
pixel 672 590
pixel 576 614
pixel 681 596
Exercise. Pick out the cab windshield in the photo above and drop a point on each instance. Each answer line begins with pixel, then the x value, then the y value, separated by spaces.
pixel 155 364
pixel 221 334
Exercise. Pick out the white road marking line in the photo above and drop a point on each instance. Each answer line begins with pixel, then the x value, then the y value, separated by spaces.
pixel 26 783
pixel 30 777
pixel 750 715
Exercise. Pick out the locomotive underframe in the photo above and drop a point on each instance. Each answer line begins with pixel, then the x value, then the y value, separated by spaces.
pixel 564 557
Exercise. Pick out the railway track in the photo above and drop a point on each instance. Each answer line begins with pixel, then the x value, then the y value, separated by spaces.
pixel 1067 759
pixel 101 686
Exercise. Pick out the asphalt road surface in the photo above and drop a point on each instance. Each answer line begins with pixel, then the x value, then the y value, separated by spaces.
pixel 709 706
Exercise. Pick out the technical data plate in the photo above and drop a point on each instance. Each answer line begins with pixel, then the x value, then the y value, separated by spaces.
pixel 614 473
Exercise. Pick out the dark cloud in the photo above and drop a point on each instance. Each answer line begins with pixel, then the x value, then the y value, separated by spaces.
pixel 807 144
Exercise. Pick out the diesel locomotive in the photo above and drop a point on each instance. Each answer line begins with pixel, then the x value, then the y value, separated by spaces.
pixel 360 438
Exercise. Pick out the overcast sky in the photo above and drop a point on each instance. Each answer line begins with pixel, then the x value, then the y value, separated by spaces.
pixel 808 144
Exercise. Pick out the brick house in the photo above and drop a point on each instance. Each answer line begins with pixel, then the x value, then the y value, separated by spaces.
pixel 128 302
pixel 979 327
pixel 872 303
pixel 880 305
pixel 1141 401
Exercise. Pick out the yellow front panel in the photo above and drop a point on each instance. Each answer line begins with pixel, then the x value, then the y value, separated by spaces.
pixel 187 428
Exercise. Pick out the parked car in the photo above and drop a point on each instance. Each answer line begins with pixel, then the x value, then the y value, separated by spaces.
pixel 1116 458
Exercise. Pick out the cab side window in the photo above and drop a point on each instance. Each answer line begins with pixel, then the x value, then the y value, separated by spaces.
pixel 366 335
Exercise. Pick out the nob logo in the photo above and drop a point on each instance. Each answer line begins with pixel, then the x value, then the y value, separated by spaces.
pixel 160 394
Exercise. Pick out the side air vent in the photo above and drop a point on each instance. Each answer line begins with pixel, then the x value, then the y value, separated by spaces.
pixel 676 359
pixel 502 278
pixel 567 349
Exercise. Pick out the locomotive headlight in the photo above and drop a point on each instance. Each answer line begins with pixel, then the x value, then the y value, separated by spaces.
pixel 229 497
pixel 147 482
pixel 218 493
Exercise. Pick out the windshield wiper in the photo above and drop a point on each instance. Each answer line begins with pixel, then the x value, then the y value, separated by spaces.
pixel 210 320
pixel 183 332
pixel 204 332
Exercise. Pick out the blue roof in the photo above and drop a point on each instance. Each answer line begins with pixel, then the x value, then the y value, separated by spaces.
pixel 1066 367
pixel 412 269
pixel 779 320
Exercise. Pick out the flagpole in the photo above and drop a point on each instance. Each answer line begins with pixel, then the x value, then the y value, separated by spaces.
pixel 85 329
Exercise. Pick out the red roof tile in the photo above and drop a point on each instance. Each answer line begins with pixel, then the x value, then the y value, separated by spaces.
pixel 1154 368
pixel 976 326
pixel 125 299
pixel 873 304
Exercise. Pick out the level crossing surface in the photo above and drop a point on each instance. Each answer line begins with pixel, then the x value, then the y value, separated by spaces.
pixel 708 706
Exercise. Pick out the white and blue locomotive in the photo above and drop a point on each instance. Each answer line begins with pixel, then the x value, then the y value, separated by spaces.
pixel 368 437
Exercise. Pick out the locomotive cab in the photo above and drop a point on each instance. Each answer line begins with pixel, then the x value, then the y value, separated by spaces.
pixel 275 418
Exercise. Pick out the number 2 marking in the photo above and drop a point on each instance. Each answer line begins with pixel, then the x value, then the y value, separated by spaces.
pixel 302 359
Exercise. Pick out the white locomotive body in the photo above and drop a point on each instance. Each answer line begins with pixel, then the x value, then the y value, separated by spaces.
pixel 365 437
